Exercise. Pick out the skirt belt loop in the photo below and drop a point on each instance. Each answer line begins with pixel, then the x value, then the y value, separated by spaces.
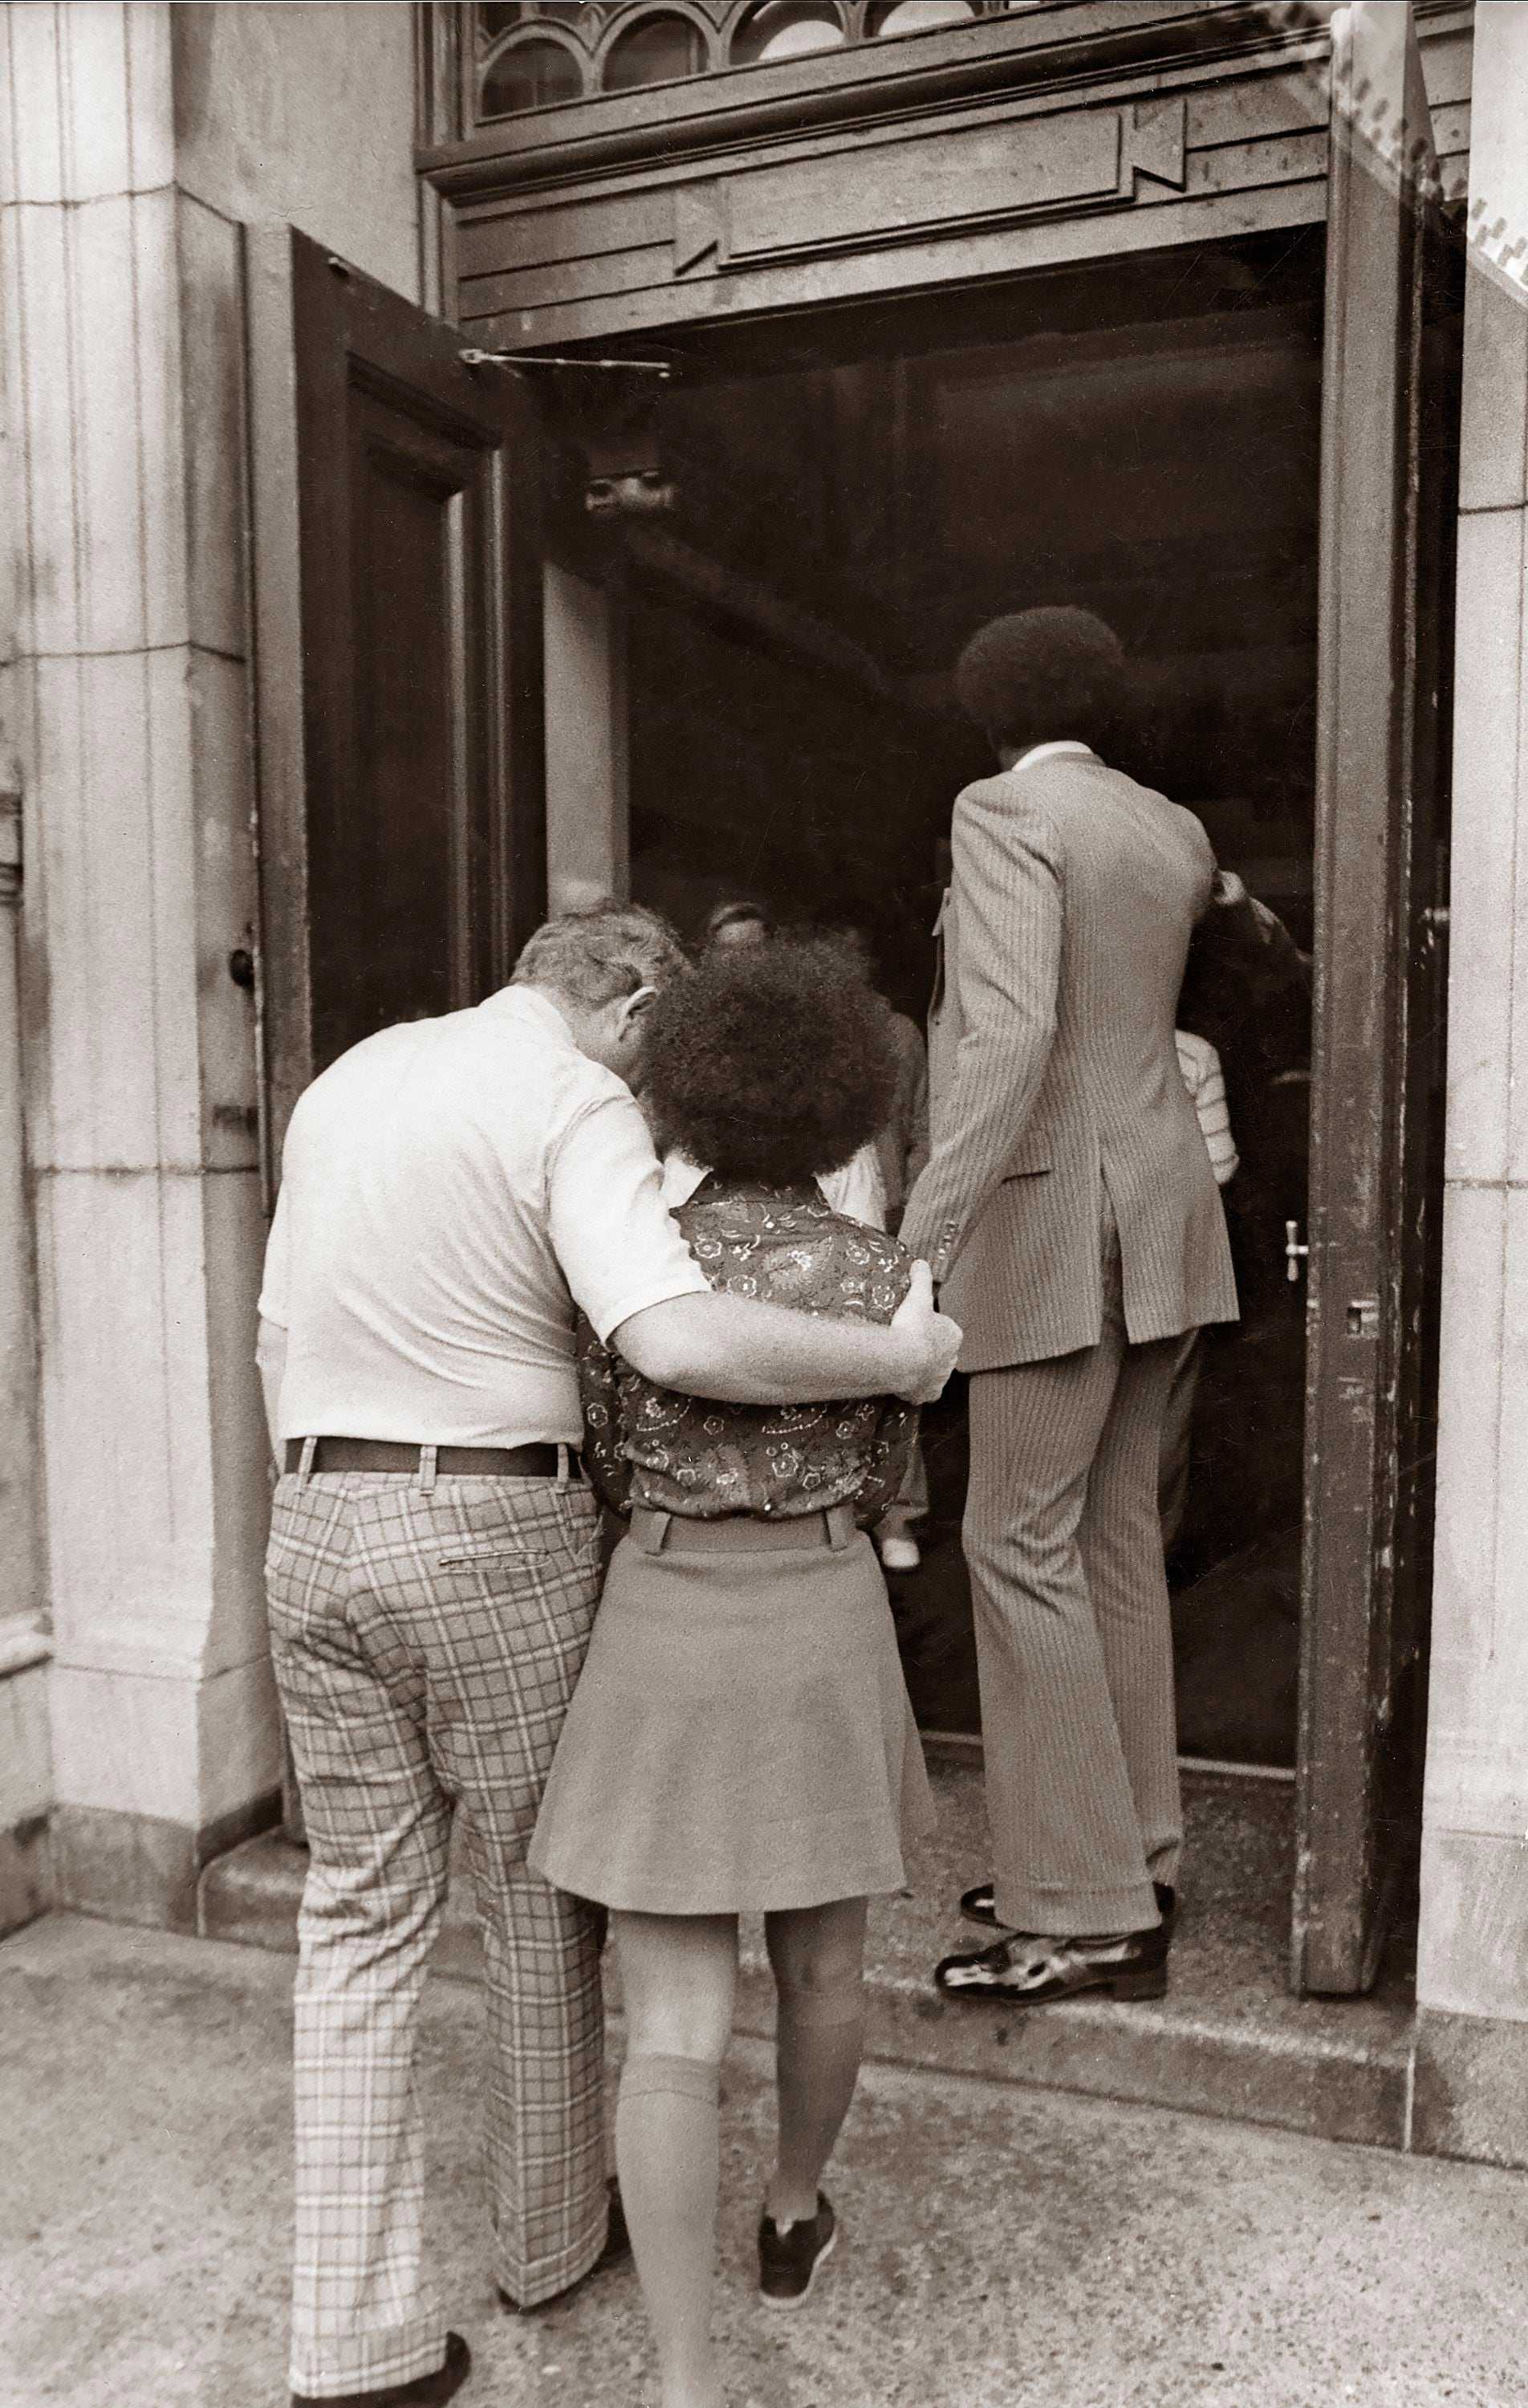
pixel 650 1528
pixel 840 1522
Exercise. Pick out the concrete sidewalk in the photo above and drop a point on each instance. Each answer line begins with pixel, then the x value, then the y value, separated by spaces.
pixel 1005 2246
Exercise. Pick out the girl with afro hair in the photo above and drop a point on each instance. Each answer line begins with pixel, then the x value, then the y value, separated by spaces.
pixel 740 1740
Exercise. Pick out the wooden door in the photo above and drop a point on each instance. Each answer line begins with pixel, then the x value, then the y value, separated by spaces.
pixel 398 618
pixel 397 602
pixel 1376 1190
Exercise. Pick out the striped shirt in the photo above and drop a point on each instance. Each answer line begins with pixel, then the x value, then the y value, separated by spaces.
pixel 1201 1067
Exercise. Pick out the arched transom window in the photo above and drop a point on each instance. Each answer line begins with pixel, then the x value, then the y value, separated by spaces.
pixel 531 54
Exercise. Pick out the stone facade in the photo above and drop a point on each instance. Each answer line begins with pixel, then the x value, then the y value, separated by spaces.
pixel 1474 1955
pixel 140 140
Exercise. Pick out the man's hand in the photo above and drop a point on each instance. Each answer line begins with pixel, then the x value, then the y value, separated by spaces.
pixel 932 1339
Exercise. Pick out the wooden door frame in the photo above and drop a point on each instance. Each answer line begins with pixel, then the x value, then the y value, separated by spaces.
pixel 1371 1362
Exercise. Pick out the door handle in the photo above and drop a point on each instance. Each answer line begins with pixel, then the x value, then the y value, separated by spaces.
pixel 1295 1254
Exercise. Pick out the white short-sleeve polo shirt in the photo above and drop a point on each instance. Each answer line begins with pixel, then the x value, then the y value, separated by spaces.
pixel 450 1190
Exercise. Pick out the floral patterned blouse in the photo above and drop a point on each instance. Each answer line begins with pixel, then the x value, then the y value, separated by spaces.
pixel 689 1456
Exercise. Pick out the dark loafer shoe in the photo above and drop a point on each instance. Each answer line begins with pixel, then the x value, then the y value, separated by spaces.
pixel 618 2244
pixel 791 2262
pixel 1029 1968
pixel 980 1905
pixel 426 2391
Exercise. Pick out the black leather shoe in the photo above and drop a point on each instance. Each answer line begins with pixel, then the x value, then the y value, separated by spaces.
pixel 980 1905
pixel 618 2244
pixel 426 2391
pixel 1030 1969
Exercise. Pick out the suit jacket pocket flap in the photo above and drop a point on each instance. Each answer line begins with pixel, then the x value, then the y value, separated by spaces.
pixel 1032 1153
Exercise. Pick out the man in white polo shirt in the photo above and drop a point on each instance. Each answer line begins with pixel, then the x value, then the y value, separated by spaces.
pixel 452 1190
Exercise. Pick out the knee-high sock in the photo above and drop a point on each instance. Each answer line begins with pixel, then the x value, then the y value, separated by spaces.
pixel 819 2043
pixel 667 2157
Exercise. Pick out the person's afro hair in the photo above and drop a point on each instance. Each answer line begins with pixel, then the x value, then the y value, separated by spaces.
pixel 1042 674
pixel 774 1062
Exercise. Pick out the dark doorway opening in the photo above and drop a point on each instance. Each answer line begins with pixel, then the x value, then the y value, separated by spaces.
pixel 856 491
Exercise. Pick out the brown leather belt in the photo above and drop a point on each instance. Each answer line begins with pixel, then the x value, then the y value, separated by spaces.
pixel 534 1462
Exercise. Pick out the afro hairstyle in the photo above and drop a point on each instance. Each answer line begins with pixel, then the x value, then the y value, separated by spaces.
pixel 773 1064
pixel 1038 675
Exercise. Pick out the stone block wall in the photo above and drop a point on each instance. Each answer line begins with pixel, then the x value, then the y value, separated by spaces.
pixel 139 140
pixel 1472 2091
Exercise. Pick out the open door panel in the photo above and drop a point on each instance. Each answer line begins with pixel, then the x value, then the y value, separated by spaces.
pixel 398 621
pixel 397 600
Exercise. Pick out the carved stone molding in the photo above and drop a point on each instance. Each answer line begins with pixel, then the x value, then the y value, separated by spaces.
pixel 1153 141
pixel 700 227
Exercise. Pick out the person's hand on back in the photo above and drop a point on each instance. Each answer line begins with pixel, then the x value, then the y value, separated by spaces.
pixel 934 1338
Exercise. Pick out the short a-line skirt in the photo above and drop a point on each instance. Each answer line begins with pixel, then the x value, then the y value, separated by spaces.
pixel 740 1739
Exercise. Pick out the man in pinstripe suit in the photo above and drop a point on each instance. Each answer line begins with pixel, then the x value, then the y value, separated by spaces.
pixel 1071 1216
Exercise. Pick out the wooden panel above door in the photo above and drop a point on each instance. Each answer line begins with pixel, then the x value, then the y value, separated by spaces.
pixel 1081 159
pixel 979 191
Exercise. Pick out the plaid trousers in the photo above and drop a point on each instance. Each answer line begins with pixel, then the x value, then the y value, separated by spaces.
pixel 426 1638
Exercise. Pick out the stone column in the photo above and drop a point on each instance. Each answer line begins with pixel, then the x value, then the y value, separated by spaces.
pixel 1472 2074
pixel 127 702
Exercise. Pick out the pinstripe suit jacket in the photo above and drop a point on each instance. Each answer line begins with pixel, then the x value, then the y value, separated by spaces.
pixel 1052 1065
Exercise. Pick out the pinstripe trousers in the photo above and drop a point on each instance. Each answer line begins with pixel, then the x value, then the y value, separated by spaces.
pixel 426 1639
pixel 1074 1642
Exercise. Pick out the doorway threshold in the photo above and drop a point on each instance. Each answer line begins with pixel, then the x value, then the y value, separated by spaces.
pixel 1227 2041
pixel 965 1747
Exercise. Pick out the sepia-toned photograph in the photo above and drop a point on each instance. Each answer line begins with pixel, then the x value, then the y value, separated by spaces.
pixel 764 1204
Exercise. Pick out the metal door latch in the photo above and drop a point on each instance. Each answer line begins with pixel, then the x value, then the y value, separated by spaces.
pixel 1364 1317
pixel 1295 1254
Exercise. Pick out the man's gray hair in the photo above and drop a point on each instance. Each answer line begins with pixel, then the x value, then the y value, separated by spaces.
pixel 595 956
